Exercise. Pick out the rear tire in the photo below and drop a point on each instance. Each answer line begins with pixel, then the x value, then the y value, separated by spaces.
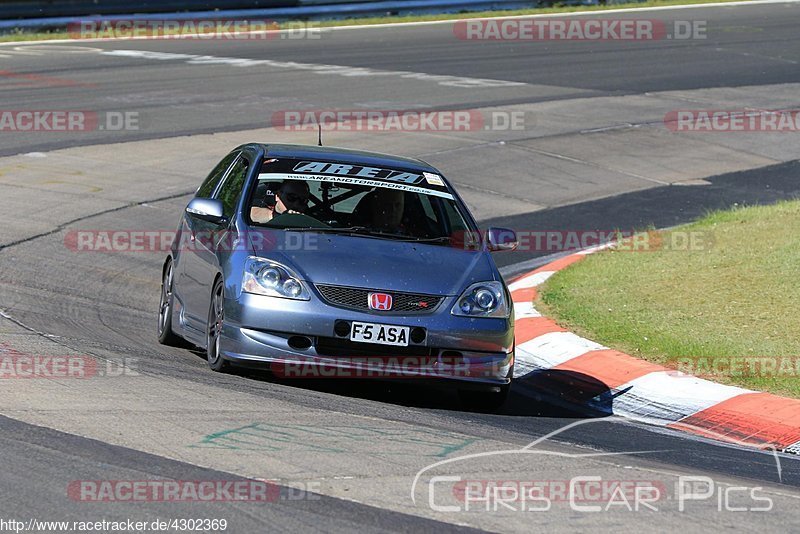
pixel 165 334
pixel 216 313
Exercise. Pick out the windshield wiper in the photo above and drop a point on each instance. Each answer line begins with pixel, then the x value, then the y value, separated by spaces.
pixel 410 238
pixel 353 230
pixel 326 229
pixel 440 239
pixel 368 232
pixel 401 237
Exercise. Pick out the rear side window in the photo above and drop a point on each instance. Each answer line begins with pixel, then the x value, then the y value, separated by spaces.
pixel 232 188
pixel 213 179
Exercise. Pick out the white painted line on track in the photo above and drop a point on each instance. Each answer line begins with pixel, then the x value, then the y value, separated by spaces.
pixel 336 70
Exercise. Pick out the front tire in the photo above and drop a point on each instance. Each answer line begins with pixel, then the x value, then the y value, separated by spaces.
pixel 216 313
pixel 484 401
pixel 165 334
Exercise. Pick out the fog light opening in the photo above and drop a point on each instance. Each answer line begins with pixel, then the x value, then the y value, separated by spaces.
pixel 300 342
pixel 341 328
pixel 418 335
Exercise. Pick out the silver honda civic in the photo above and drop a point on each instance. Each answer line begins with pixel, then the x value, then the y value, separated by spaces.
pixel 334 263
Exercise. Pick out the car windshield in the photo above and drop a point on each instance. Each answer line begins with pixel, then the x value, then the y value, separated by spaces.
pixel 379 203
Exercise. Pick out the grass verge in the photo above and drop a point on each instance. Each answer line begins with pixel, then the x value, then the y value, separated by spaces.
pixel 372 20
pixel 725 309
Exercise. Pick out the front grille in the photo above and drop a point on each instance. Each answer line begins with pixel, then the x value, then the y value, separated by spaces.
pixel 357 298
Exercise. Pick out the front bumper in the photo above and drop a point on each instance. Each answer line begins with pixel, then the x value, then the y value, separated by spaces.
pixel 275 331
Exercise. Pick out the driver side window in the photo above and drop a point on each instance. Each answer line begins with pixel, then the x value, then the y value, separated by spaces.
pixel 210 183
pixel 231 189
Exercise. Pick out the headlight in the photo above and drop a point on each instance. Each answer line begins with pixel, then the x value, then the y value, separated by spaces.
pixel 484 299
pixel 264 277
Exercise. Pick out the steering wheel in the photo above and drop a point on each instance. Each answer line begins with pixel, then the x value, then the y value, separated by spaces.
pixel 288 220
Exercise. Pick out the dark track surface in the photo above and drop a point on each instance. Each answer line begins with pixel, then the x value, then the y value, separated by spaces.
pixel 41 464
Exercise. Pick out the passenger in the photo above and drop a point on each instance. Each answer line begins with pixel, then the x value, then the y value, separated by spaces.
pixel 388 206
pixel 291 197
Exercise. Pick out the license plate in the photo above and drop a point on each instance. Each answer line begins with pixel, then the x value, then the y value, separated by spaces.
pixel 383 334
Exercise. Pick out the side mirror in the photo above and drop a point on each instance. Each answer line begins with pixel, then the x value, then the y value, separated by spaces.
pixel 500 239
pixel 207 209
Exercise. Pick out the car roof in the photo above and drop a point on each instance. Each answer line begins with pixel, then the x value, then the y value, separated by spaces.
pixel 344 155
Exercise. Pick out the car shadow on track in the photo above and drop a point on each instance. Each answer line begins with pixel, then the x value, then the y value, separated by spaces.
pixel 575 394
pixel 544 393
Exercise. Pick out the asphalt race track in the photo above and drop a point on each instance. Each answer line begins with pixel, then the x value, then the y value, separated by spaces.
pixel 594 154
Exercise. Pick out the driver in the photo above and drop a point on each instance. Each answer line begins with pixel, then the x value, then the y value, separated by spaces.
pixel 291 197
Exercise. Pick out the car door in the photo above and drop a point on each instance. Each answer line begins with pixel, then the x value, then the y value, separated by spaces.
pixel 202 265
pixel 190 225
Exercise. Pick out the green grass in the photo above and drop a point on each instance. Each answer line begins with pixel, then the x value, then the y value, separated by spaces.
pixel 734 298
pixel 57 34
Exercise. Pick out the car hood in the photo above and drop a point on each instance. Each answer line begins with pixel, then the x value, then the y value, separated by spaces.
pixel 379 263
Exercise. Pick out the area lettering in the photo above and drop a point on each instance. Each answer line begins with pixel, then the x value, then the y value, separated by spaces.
pixel 339 169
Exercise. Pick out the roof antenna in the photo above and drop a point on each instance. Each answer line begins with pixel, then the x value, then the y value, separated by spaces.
pixel 319 139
